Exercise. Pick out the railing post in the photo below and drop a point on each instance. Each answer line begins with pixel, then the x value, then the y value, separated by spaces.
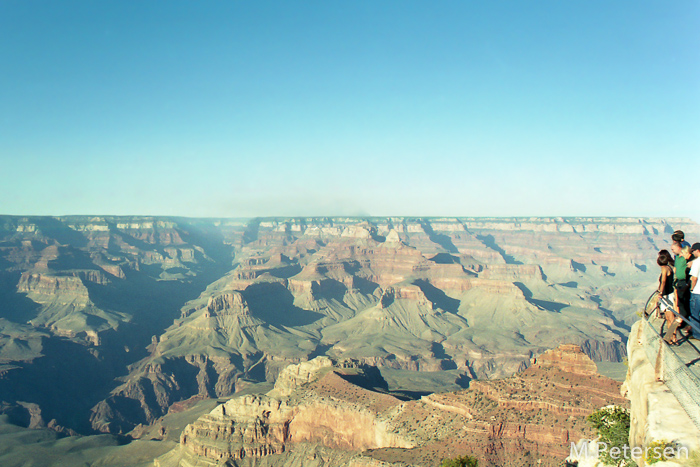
pixel 659 365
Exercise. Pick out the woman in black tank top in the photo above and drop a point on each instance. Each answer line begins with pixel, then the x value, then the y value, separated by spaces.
pixel 664 260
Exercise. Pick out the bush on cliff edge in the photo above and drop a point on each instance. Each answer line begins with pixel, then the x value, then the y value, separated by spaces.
pixel 461 461
pixel 612 423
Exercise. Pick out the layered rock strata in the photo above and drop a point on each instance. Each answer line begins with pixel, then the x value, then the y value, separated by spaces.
pixel 161 310
pixel 527 419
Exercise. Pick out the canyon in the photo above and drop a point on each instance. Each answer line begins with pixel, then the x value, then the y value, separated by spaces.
pixel 135 321
pixel 344 408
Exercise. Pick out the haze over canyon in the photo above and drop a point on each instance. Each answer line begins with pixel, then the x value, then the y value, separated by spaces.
pixel 134 327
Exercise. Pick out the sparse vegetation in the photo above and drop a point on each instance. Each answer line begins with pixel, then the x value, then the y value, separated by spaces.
pixel 655 451
pixel 612 424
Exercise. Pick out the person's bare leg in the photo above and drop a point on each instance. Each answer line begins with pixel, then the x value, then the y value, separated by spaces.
pixel 672 324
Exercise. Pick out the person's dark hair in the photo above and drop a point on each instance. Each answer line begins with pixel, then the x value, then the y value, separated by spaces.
pixel 664 258
pixel 678 236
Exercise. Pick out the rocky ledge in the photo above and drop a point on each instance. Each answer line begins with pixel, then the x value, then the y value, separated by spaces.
pixel 656 415
pixel 340 413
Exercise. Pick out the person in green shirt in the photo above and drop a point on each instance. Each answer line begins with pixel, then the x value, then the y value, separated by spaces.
pixel 682 288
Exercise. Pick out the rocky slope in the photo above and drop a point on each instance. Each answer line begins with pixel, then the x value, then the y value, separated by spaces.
pixel 81 298
pixel 130 315
pixel 342 410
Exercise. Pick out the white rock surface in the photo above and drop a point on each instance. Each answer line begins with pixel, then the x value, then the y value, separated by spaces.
pixel 655 412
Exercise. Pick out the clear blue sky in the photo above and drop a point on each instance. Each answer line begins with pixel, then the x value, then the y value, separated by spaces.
pixel 253 108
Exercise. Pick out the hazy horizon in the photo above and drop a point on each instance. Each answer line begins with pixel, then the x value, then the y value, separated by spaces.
pixel 273 109
pixel 358 217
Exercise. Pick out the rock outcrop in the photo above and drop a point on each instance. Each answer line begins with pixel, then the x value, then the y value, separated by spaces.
pixel 527 419
pixel 569 358
pixel 656 414
pixel 311 402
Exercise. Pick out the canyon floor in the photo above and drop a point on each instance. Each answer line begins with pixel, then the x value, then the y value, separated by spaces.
pixel 117 330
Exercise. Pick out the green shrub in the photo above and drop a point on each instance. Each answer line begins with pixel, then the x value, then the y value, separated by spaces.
pixel 612 423
pixel 461 461
pixel 655 451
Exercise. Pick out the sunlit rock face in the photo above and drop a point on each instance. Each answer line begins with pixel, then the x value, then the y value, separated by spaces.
pixel 342 409
pixel 155 311
pixel 656 414
pixel 299 409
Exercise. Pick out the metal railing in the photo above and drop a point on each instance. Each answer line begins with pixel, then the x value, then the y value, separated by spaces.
pixel 676 363
pixel 655 300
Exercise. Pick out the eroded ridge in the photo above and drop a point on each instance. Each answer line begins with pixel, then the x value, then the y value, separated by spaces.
pixel 343 410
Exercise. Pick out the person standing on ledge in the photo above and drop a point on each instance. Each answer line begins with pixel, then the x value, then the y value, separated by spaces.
pixel 682 286
pixel 679 236
pixel 665 289
pixel 694 285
